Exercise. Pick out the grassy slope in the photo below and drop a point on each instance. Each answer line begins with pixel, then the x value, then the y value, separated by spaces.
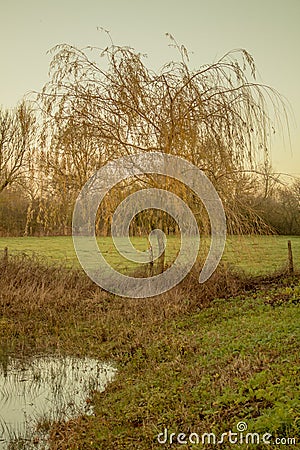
pixel 202 372
pixel 184 363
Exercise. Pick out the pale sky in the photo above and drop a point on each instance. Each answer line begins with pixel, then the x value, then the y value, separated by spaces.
pixel 268 29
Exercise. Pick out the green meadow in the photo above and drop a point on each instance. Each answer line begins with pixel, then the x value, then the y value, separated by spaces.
pixel 252 254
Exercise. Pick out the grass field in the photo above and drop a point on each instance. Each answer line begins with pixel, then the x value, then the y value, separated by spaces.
pixel 197 359
pixel 253 254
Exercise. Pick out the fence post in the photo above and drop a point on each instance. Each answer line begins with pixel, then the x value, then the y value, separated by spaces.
pixel 290 256
pixel 5 255
pixel 151 263
pixel 161 258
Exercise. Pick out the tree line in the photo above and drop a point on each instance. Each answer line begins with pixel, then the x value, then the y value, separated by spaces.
pixel 101 104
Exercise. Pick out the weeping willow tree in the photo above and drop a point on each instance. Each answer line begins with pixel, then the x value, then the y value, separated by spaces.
pixel 101 104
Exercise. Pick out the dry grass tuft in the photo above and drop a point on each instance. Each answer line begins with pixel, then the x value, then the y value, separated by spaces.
pixel 41 305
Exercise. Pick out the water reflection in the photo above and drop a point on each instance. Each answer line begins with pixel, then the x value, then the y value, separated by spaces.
pixel 49 388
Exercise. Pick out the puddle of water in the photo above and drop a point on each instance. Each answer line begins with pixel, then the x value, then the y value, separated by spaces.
pixel 51 388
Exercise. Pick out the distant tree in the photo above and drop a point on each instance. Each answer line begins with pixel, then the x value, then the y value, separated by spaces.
pixel 13 207
pixel 281 209
pixel 17 130
pixel 290 208
pixel 295 188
